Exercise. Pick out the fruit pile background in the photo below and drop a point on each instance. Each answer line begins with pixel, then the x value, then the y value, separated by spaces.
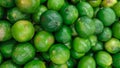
pixel 59 33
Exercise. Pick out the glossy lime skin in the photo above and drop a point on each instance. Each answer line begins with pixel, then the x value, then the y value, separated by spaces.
pixel 108 3
pixel 87 62
pixel 55 4
pixel 112 45
pixel 59 54
pixel 22 31
pixel 116 30
pixel 116 9
pixel 15 14
pixel 103 58
pixel 105 35
pixel 7 47
pixel 95 3
pixel 36 15
pixel 85 9
pixel 7 3
pixel 107 16
pixel 43 41
pixel 23 52
pixel 98 46
pixel 1 58
pixel 52 65
pixel 63 35
pixel 5 30
pixel 35 64
pixel 116 60
pixel 98 26
pixel 9 64
pixel 76 55
pixel 27 6
pixel 81 45
pixel 69 14
pixel 1 12
pixel 85 27
pixel 51 20
pixel 93 40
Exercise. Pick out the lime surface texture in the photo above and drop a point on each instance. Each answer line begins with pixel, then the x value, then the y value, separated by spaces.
pixel 59 33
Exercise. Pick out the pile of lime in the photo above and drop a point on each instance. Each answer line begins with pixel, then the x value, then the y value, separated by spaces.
pixel 59 33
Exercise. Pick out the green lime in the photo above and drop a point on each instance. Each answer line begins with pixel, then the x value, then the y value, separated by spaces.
pixel 23 31
pixel 36 15
pixel 98 46
pixel 5 30
pixel 59 54
pixel 27 6
pixel 98 26
pixel 116 8
pixel 55 4
pixel 15 14
pixel 95 3
pixel 81 45
pixel 63 35
pixel 52 65
pixel 7 47
pixel 9 64
pixel 103 58
pixel 116 30
pixel 22 53
pixel 112 45
pixel 108 3
pixel 87 62
pixel 43 41
pixel 51 20
pixel 85 27
pixel 85 9
pixel 69 14
pixel 105 35
pixel 107 16
pixel 35 64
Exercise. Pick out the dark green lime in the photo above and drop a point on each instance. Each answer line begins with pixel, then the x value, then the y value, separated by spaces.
pixel 15 14
pixel 63 35
pixel 22 53
pixel 51 20
pixel 7 47
pixel 105 35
